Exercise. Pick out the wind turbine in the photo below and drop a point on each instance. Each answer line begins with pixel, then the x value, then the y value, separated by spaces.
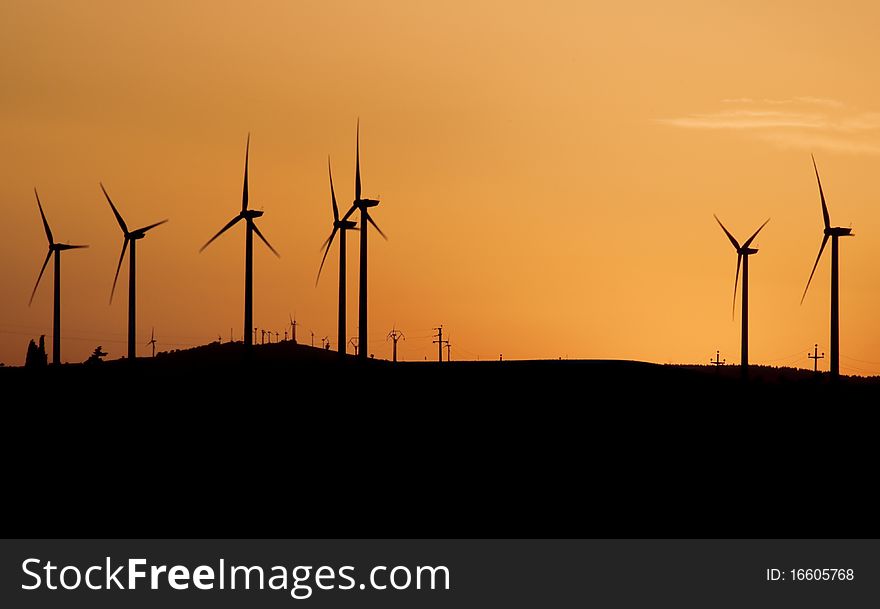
pixel 340 226
pixel 56 249
pixel 742 257
pixel 152 340
pixel 834 232
pixel 395 335
pixel 248 215
pixel 363 205
pixel 128 237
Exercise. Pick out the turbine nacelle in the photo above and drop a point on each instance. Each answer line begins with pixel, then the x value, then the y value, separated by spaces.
pixel 251 214
pixel 60 247
pixel 344 224
pixel 839 231
pixel 747 251
pixel 363 203
pixel 142 232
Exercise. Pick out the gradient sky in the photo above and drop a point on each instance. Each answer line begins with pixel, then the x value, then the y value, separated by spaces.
pixel 548 170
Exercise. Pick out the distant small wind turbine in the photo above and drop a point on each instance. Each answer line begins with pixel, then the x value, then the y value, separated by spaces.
pixel 742 257
pixel 56 249
pixel 340 226
pixel 248 215
pixel 152 340
pixel 395 335
pixel 128 237
pixel 834 232
pixel 363 205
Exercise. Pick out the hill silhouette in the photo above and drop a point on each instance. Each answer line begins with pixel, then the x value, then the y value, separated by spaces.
pixel 288 369
pixel 286 440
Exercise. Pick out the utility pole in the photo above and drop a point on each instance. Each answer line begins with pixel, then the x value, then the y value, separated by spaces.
pixel 395 335
pixel 816 357
pixel 718 361
pixel 230 334
pixel 353 341
pixel 439 342
pixel 448 351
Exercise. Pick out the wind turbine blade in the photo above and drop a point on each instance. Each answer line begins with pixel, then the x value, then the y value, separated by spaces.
pixel 229 225
pixel 727 232
pixel 825 215
pixel 349 212
pixel 752 238
pixel 45 222
pixel 376 226
pixel 328 243
pixel 244 192
pixel 40 276
pixel 332 192
pixel 119 266
pixel 821 249
pixel 260 235
pixel 115 211
pixel 152 226
pixel 736 284
pixel 357 174
pixel 65 246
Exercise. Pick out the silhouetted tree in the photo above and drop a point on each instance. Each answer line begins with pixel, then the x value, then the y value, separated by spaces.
pixel 36 356
pixel 97 356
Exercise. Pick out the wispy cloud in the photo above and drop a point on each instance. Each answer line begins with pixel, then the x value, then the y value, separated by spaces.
pixel 799 122
pixel 805 100
pixel 815 141
pixel 747 119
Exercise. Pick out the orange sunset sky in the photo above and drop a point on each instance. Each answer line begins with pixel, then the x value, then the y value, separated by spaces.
pixel 548 171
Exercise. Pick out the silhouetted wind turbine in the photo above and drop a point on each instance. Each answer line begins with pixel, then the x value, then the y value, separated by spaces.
pixel 834 232
pixel 248 215
pixel 56 249
pixel 128 237
pixel 340 226
pixel 152 340
pixel 363 205
pixel 742 257
pixel 395 335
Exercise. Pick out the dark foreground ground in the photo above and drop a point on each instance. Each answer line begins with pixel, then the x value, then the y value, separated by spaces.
pixel 288 441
